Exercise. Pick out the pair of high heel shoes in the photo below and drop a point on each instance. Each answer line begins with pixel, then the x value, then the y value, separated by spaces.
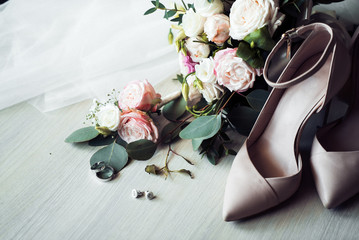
pixel 267 169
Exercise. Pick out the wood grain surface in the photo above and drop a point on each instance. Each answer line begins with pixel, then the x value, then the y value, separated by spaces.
pixel 47 191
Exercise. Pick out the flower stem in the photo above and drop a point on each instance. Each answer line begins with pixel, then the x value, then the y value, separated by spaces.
pixel 225 104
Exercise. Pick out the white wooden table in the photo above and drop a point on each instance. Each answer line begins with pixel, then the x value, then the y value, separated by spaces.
pixel 48 192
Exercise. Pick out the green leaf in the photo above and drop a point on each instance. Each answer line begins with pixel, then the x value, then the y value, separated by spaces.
pixel 82 135
pixel 169 14
pixel 257 98
pixel 174 109
pixel 243 118
pixel 203 127
pixel 180 78
pixel 121 142
pixel 141 150
pixel 157 4
pixel 149 11
pixel 177 19
pixel 196 143
pixel 211 158
pixel 100 140
pixel 252 56
pixel 113 155
pixel 261 39
pixel 184 5
pixel 170 132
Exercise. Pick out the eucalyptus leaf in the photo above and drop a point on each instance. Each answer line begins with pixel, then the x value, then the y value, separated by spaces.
pixel 252 56
pixel 257 98
pixel 100 140
pixel 203 127
pixel 243 118
pixel 113 155
pixel 170 132
pixel 196 143
pixel 174 109
pixel 142 149
pixel 82 135
pixel 261 39
pixel 121 142
pixel 149 11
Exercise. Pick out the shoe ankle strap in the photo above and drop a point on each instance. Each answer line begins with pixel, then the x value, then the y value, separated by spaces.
pixel 303 32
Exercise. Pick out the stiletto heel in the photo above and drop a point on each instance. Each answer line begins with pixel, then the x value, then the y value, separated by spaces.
pixel 335 151
pixel 267 169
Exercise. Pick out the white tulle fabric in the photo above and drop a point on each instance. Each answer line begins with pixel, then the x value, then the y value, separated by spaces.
pixel 62 52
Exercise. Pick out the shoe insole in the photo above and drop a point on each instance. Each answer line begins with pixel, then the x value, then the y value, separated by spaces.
pixel 274 153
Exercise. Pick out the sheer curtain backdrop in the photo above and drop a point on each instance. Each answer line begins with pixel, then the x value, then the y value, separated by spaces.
pixel 62 52
pixel 58 53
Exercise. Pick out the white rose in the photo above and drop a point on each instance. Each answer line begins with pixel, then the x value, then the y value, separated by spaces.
pixel 205 71
pixel 217 28
pixel 197 51
pixel 108 116
pixel 249 15
pixel 207 9
pixel 211 91
pixel 192 23
pixel 193 93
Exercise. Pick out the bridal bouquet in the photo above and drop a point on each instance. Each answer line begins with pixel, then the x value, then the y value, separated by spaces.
pixel 222 46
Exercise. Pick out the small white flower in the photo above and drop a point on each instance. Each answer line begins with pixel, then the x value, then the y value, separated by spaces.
pixel 198 51
pixel 206 9
pixel 192 23
pixel 108 116
pixel 205 71
pixel 249 15
pixel 211 91
pixel 193 93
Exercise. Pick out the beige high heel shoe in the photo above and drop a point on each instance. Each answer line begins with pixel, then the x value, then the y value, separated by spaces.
pixel 267 169
pixel 335 151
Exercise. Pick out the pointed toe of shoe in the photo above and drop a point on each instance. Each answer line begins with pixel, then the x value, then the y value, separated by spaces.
pixel 245 200
pixel 336 174
pixel 247 192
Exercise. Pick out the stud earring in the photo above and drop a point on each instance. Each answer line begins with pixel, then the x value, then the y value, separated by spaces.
pixel 136 194
pixel 149 195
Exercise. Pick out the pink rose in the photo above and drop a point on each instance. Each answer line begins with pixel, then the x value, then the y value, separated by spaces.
pixel 217 28
pixel 138 95
pixel 233 72
pixel 135 125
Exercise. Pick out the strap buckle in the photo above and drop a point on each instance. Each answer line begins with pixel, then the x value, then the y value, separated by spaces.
pixel 288 35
